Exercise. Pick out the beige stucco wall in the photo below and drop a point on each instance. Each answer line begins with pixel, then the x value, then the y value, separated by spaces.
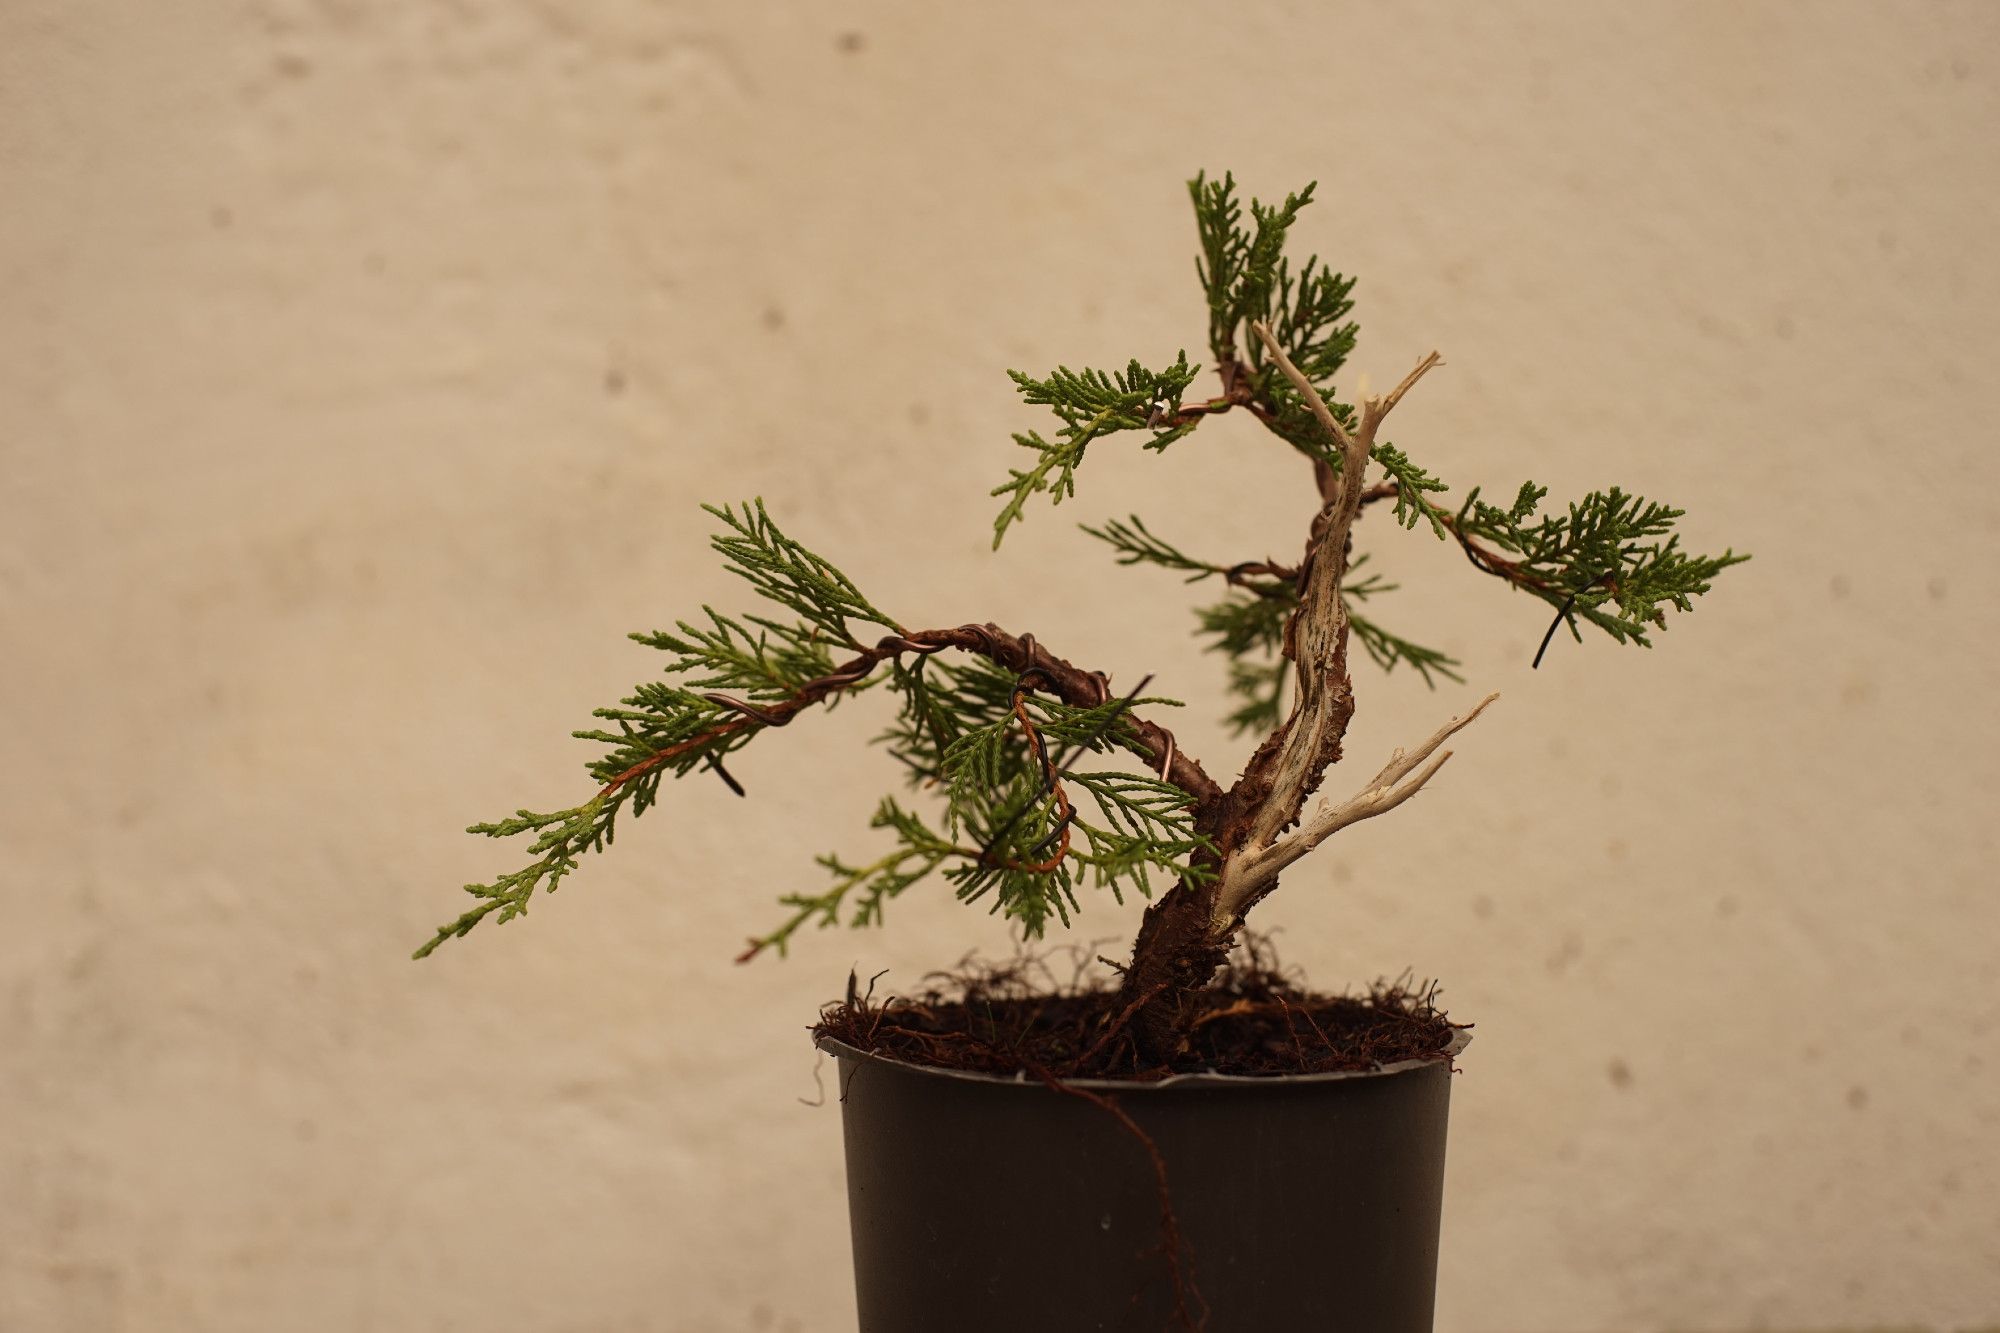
pixel 362 365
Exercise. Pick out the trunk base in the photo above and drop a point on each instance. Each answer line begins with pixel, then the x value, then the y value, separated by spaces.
pixel 1172 959
pixel 1251 1022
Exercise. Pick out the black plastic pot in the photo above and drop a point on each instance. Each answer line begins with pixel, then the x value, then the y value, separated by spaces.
pixel 1303 1203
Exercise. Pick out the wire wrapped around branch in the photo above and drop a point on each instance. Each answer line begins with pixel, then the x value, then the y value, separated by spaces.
pixel 1022 654
pixel 1051 784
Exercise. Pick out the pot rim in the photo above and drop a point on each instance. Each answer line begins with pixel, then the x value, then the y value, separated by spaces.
pixel 1460 1039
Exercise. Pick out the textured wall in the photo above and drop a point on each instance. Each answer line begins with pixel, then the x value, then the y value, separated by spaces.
pixel 361 365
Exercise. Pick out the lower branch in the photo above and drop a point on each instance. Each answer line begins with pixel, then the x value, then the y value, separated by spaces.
pixel 1020 654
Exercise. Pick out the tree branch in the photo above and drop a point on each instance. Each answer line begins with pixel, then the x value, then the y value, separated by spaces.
pixel 1250 875
pixel 1019 654
pixel 1244 573
pixel 1484 560
pixel 1373 410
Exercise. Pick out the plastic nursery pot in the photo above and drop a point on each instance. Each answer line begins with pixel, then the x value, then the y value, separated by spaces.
pixel 1308 1202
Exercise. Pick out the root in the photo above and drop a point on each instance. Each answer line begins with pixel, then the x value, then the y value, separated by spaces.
pixel 1180 1258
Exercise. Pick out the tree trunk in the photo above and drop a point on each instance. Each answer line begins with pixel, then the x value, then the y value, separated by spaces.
pixel 1174 956
pixel 1186 934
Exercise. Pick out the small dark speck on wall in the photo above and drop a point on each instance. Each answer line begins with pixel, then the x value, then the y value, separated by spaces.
pixel 1621 1074
pixel 773 318
pixel 614 382
pixel 851 43
pixel 1857 1097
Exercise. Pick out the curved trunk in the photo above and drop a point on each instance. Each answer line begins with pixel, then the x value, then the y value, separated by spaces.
pixel 1186 934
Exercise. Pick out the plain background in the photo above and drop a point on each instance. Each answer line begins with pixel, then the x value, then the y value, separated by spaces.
pixel 362 365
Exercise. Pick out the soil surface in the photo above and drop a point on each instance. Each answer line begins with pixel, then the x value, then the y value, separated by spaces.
pixel 1254 1020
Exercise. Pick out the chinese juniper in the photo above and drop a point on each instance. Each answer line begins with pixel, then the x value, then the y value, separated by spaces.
pixel 1012 754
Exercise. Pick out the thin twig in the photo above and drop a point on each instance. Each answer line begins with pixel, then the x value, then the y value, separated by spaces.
pixel 728 779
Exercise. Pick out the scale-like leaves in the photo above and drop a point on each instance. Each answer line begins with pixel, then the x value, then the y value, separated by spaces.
pixel 1245 276
pixel 672 728
pixel 561 839
pixel 787 573
pixel 1091 404
pixel 753 655
pixel 862 890
pixel 1611 558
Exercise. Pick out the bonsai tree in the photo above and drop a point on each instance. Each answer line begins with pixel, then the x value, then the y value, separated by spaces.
pixel 989 723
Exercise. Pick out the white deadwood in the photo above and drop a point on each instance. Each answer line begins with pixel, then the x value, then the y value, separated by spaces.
pixel 1316 642
pixel 1251 872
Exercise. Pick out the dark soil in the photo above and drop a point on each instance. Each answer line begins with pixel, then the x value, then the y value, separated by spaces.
pixel 1253 1020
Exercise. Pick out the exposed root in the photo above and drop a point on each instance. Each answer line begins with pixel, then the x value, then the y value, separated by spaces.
pixel 1180 1259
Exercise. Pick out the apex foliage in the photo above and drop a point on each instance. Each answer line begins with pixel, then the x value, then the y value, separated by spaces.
pixel 1612 560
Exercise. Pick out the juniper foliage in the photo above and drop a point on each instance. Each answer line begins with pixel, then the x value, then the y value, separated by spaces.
pixel 994 805
pixel 1611 559
pixel 1013 829
pixel 1090 404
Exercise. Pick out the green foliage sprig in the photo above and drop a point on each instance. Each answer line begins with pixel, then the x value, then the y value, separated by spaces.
pixel 1246 277
pixel 1091 404
pixel 1611 558
pixel 785 572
